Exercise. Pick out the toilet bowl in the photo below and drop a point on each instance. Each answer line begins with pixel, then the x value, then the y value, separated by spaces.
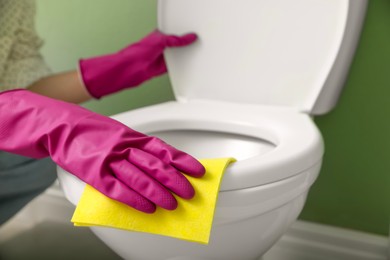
pixel 253 106
pixel 278 152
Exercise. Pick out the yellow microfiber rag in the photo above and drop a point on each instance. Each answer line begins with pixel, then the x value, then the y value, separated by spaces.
pixel 192 220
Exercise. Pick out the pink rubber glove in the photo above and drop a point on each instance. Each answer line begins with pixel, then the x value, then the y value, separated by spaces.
pixel 131 66
pixel 138 170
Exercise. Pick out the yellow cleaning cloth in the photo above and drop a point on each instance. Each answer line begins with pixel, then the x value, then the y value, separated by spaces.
pixel 191 220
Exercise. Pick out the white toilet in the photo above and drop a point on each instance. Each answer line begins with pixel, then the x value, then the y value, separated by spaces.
pixel 247 89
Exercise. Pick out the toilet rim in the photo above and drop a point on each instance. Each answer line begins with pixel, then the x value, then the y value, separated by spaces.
pixel 298 143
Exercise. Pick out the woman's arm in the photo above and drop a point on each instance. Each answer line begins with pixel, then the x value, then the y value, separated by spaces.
pixel 107 74
pixel 66 86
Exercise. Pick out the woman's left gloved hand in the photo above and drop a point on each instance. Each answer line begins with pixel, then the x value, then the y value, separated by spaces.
pixel 131 66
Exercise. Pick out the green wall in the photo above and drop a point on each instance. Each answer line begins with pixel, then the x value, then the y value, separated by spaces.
pixel 75 29
pixel 353 188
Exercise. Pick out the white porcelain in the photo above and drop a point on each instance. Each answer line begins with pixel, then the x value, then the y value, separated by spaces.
pixel 270 143
pixel 269 52
pixel 245 89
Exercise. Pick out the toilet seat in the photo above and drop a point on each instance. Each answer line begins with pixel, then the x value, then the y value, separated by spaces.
pixel 298 143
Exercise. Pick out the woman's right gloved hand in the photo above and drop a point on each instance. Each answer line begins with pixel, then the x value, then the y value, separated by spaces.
pixel 138 170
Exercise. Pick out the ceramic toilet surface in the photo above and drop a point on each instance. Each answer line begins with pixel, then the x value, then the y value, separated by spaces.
pixel 269 143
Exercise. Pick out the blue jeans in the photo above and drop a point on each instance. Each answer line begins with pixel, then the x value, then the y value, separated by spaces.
pixel 21 180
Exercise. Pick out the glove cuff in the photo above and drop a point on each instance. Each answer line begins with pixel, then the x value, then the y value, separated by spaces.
pixel 86 78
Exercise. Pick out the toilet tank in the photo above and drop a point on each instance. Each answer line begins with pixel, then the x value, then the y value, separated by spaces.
pixel 292 53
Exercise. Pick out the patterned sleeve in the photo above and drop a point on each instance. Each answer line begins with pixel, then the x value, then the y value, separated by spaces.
pixel 20 60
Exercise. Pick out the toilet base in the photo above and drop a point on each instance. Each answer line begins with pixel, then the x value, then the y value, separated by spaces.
pixel 247 239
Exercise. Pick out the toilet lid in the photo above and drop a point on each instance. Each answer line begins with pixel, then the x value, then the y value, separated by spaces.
pixel 269 52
